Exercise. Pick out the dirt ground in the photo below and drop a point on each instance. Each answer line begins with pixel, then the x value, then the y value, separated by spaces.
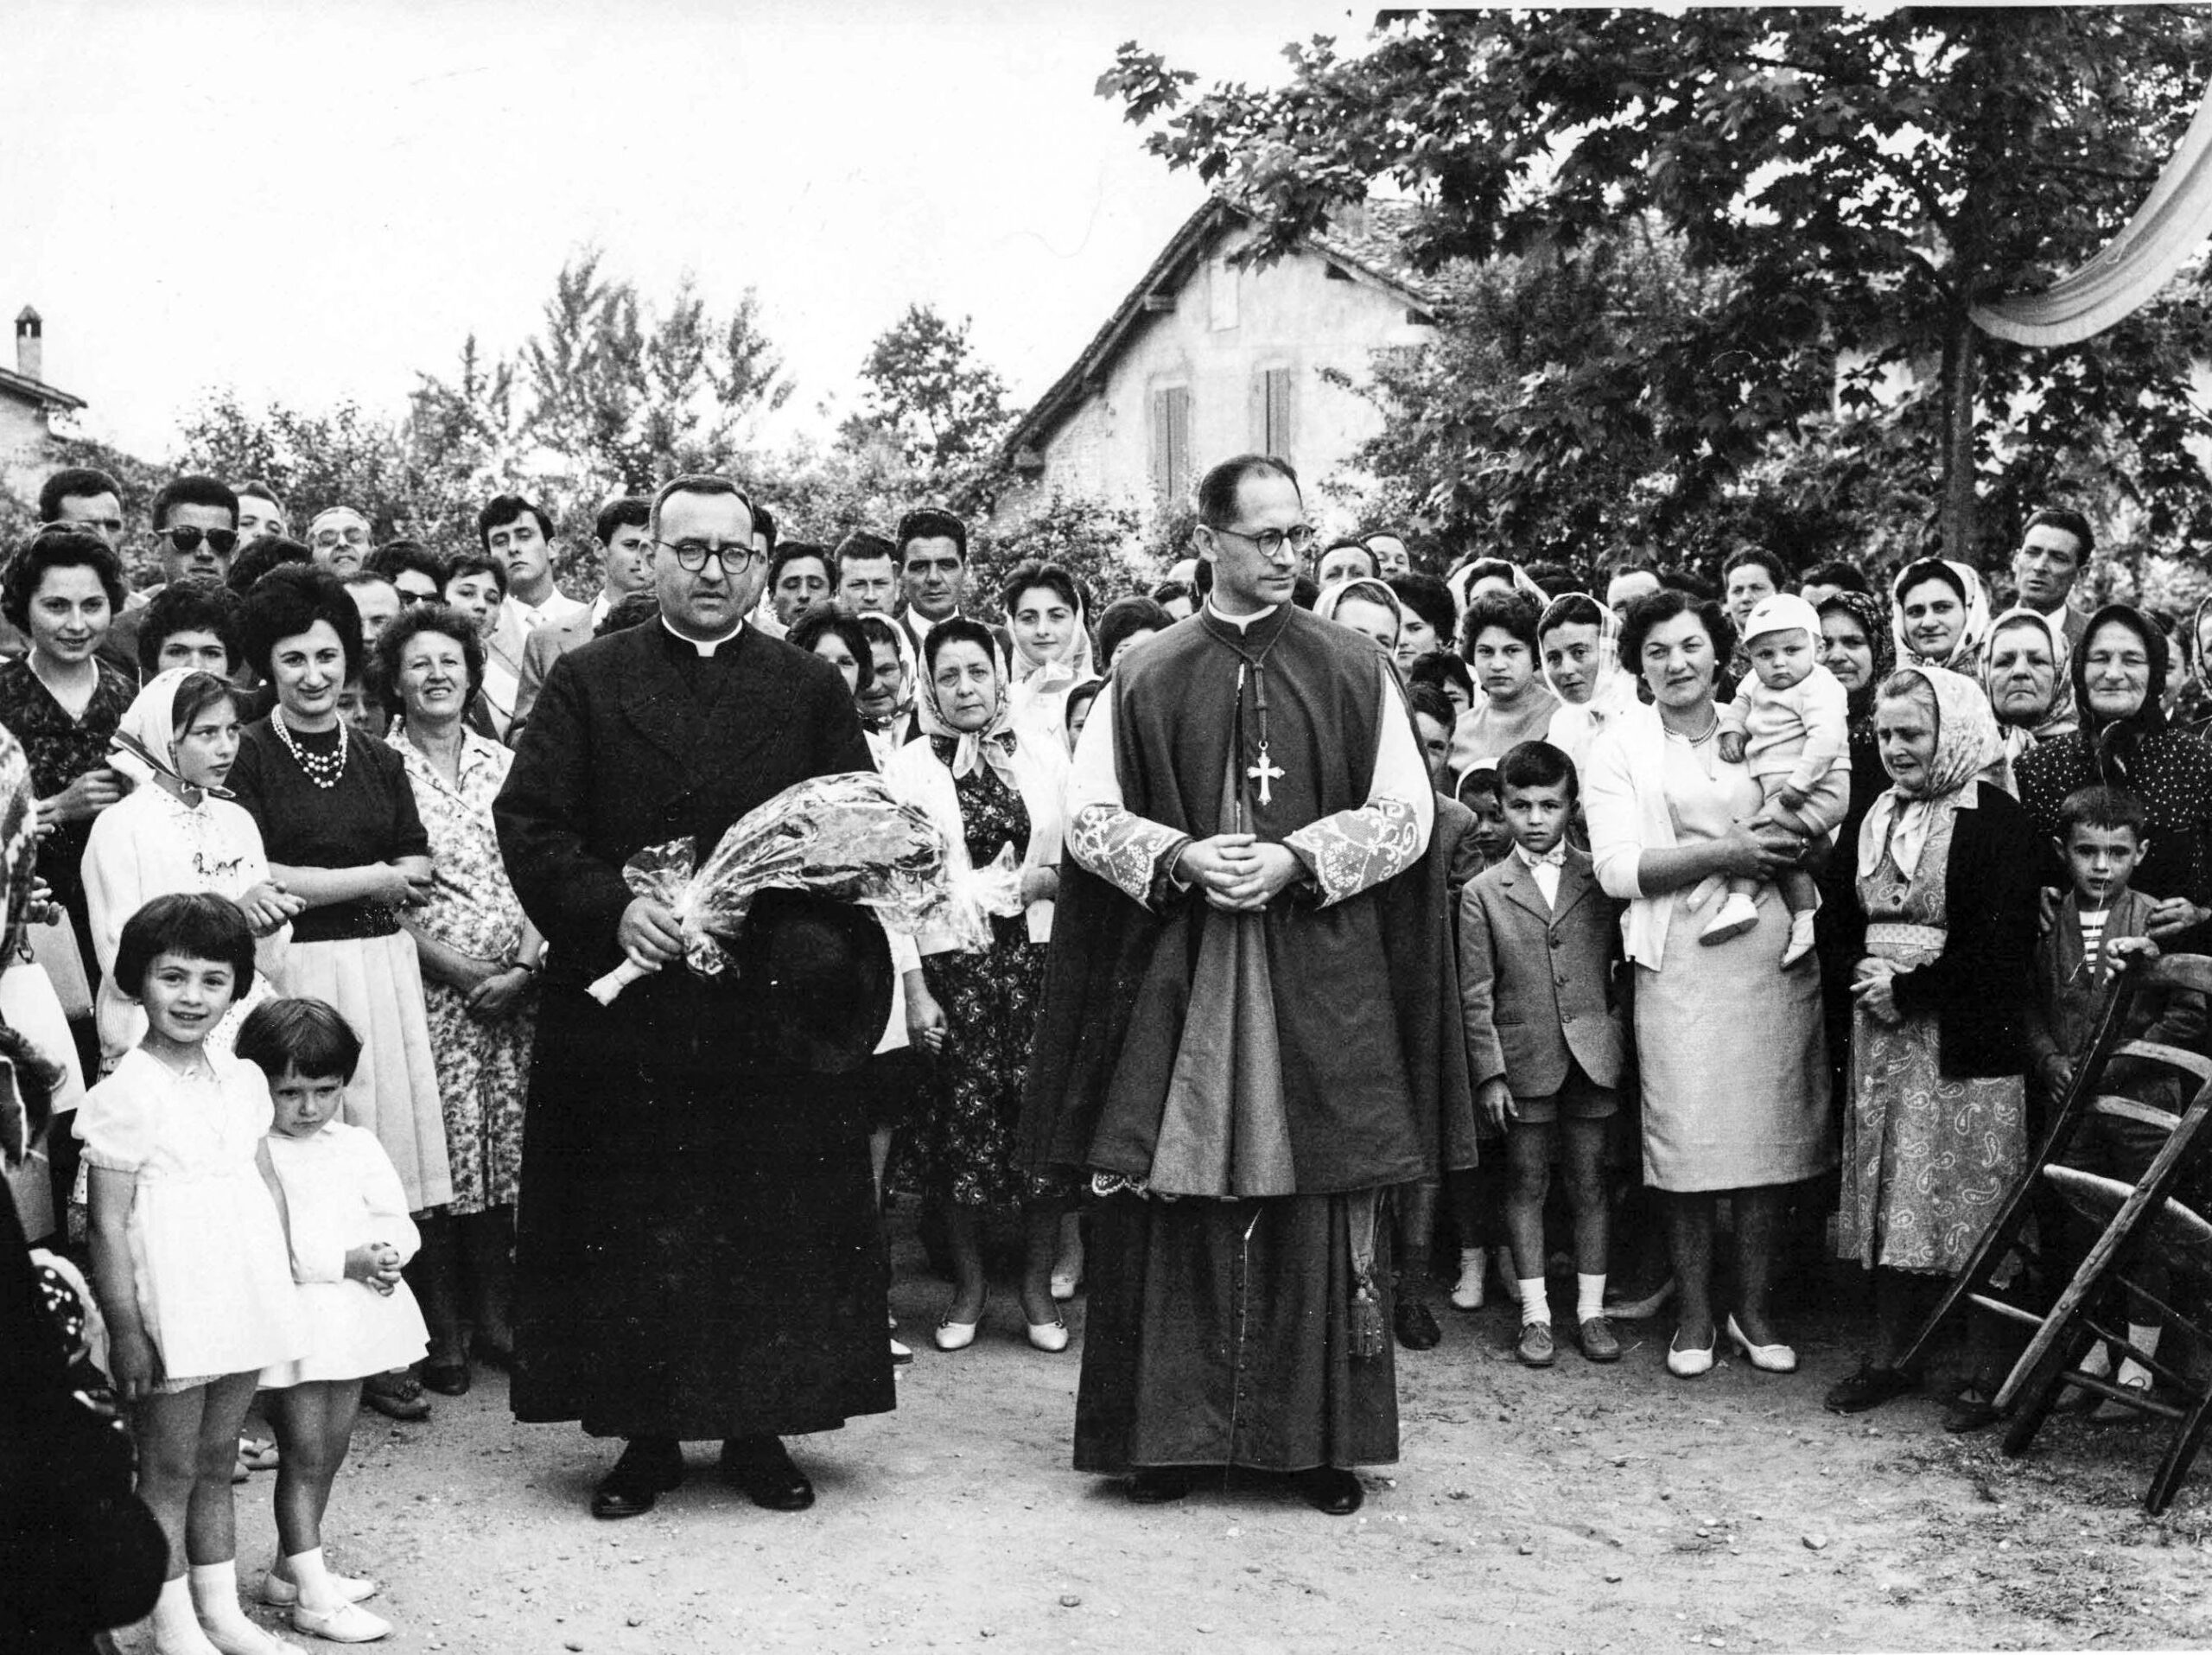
pixel 1581 1509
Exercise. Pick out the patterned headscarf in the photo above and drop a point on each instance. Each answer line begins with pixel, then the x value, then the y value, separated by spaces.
pixel 1874 620
pixel 962 750
pixel 1966 743
pixel 2057 716
pixel 144 743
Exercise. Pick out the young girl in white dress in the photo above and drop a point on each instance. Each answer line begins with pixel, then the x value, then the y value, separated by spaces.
pixel 350 1236
pixel 190 1254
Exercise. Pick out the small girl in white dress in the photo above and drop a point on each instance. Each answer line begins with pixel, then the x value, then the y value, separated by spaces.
pixel 350 1236
pixel 189 1257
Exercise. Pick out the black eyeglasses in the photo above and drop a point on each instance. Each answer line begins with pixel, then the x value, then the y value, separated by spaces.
pixel 1269 542
pixel 221 542
pixel 691 554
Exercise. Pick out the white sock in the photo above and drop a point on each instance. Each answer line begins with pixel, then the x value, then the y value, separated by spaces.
pixel 1589 1296
pixel 176 1629
pixel 1534 1305
pixel 215 1596
pixel 319 1591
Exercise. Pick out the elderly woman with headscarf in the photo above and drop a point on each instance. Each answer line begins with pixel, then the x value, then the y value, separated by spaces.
pixel 989 787
pixel 1936 1127
pixel 1939 616
pixel 179 830
pixel 1050 623
pixel 2024 674
pixel 2123 740
pixel 2192 707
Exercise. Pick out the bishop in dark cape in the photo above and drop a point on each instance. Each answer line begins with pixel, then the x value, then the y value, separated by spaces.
pixel 1247 1034
pixel 697 1252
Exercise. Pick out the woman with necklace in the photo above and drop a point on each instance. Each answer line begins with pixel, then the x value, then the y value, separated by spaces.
pixel 338 818
pixel 1736 1088
pixel 479 958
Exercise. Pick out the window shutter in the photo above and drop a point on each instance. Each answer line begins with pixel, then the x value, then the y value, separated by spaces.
pixel 1274 402
pixel 1170 443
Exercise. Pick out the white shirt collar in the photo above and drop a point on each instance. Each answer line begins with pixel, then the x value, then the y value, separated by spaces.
pixel 706 649
pixel 1242 622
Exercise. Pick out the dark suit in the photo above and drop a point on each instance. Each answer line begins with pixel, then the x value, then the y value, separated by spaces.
pixel 697 1251
pixel 1537 978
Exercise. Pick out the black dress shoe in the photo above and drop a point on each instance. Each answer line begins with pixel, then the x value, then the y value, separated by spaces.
pixel 447 1378
pixel 1331 1489
pixel 1870 1387
pixel 642 1476
pixel 759 1466
pixel 1416 1326
pixel 1159 1485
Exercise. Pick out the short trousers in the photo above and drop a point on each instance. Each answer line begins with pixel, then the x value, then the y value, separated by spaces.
pixel 1580 1098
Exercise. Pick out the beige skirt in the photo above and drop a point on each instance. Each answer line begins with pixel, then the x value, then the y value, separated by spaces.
pixel 376 984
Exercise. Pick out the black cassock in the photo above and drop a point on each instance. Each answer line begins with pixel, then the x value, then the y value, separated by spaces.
pixel 697 1251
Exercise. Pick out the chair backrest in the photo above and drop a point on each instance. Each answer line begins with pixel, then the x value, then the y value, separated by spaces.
pixel 2182 971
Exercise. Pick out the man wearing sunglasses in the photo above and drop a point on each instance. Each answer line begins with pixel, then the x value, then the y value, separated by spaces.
pixel 195 535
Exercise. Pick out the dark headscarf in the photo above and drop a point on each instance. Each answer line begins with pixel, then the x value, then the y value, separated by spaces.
pixel 2111 742
pixel 1874 620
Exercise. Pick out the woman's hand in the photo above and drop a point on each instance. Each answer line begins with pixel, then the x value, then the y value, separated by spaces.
pixel 1040 885
pixel 374 1264
pixel 42 909
pixel 1874 990
pixel 2173 915
pixel 925 1023
pixel 497 993
pixel 83 798
pixel 388 885
pixel 268 907
pixel 132 1363
pixel 1743 854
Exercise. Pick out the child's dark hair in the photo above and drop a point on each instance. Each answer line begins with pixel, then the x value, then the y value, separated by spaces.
pixel 2109 808
pixel 1537 763
pixel 193 925
pixel 308 1036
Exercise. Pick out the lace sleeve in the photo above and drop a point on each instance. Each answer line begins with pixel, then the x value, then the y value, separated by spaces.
pixel 1126 851
pixel 1356 850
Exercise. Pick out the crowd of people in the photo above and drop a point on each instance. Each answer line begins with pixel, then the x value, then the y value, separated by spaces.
pixel 1319 915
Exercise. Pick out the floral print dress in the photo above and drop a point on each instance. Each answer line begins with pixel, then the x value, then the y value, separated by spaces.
pixel 483 1066
pixel 1927 1157
pixel 965 1147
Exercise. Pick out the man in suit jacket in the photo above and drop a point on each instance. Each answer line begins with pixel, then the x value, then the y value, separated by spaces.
pixel 626 553
pixel 697 1253
pixel 1538 944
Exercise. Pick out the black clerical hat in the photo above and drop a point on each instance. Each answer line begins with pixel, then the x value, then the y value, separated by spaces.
pixel 819 974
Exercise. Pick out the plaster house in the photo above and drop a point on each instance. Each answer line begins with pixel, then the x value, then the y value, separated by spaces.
pixel 27 406
pixel 1206 358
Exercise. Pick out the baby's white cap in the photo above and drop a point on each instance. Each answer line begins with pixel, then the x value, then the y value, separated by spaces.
pixel 1784 612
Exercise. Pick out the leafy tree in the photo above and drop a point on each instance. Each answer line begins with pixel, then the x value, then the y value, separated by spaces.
pixel 1091 540
pixel 1847 181
pixel 924 388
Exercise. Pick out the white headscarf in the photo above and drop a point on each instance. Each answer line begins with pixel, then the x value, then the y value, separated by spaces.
pixel 1974 625
pixel 992 744
pixel 1966 743
pixel 1577 723
pixel 2059 717
pixel 1368 589
pixel 144 743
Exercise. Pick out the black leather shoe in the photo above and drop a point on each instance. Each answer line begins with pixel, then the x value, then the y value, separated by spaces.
pixel 447 1378
pixel 1159 1485
pixel 1416 1326
pixel 642 1476
pixel 759 1466
pixel 1870 1388
pixel 1331 1489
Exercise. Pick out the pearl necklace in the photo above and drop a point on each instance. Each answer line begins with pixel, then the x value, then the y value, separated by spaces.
pixel 323 770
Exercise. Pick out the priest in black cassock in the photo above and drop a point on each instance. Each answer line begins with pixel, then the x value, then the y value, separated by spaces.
pixel 697 1253
pixel 1247 1025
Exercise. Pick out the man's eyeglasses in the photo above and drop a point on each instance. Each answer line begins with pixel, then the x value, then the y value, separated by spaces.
pixel 1270 543
pixel 691 554
pixel 187 539
pixel 356 536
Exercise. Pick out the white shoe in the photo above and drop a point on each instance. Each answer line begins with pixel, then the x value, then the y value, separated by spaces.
pixel 1738 914
pixel 949 1335
pixel 349 1623
pixel 1467 1291
pixel 280 1594
pixel 246 1638
pixel 1688 1365
pixel 900 1353
pixel 1767 1359
pixel 1050 1337
pixel 1065 1282
pixel 1801 938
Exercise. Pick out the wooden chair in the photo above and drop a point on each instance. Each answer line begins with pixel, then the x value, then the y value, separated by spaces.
pixel 2137 1222
pixel 2006 1253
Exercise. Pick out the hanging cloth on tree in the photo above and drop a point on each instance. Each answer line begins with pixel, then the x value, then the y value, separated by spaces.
pixel 2166 229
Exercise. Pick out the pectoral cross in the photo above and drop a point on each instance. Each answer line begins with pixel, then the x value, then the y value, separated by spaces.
pixel 1263 772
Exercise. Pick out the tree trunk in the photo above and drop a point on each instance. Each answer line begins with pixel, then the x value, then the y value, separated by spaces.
pixel 1960 380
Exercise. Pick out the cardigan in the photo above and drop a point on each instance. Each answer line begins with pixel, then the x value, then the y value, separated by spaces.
pixel 1979 987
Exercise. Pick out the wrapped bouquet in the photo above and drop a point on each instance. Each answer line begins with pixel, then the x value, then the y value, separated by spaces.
pixel 842 837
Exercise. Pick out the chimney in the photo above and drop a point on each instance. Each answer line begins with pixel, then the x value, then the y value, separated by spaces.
pixel 30 344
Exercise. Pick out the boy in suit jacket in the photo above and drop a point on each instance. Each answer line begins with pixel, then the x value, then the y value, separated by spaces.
pixel 1538 943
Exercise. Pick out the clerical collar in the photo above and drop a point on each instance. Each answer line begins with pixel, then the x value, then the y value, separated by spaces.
pixel 1242 622
pixel 706 649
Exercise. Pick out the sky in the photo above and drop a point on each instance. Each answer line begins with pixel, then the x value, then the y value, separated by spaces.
pixel 311 203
